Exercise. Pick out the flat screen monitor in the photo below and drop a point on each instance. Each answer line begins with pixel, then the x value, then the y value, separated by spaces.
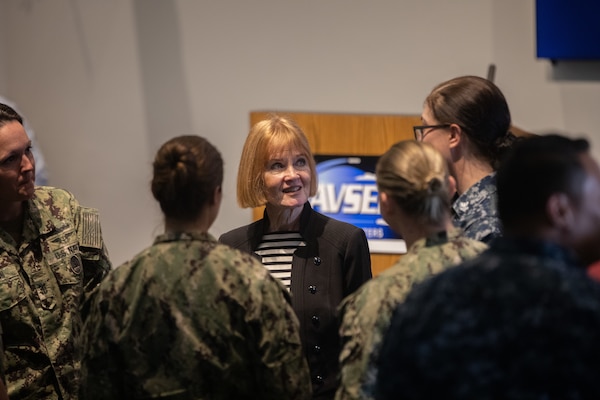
pixel 568 29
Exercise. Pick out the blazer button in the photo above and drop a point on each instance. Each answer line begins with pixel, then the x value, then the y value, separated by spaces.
pixel 312 289
pixel 317 349
pixel 315 320
pixel 319 379
pixel 317 260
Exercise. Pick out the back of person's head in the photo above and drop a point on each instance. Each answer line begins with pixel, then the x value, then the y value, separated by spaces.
pixel 187 170
pixel 479 108
pixel 534 169
pixel 266 139
pixel 483 332
pixel 416 176
pixel 8 114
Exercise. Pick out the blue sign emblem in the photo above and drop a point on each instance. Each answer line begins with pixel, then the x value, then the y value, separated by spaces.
pixel 348 192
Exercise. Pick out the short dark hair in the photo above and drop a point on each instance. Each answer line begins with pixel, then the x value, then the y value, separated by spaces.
pixel 8 114
pixel 534 169
pixel 481 332
pixel 187 170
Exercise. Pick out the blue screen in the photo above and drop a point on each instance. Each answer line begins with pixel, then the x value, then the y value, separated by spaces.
pixel 568 29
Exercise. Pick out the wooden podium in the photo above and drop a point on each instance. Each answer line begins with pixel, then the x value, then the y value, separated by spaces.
pixel 350 134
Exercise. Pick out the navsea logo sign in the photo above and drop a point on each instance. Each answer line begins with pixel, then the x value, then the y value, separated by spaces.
pixel 348 192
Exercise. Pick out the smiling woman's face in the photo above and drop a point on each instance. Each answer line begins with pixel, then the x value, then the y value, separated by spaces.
pixel 287 179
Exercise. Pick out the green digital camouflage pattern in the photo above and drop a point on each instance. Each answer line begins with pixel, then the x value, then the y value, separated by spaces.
pixel 189 318
pixel 43 281
pixel 2 362
pixel 367 312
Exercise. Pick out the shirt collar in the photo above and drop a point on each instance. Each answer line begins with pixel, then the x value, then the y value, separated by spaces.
pixel 184 236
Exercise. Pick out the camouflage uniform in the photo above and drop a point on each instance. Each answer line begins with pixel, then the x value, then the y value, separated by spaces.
pixel 520 321
pixel 2 362
pixel 43 281
pixel 189 318
pixel 366 313
pixel 476 213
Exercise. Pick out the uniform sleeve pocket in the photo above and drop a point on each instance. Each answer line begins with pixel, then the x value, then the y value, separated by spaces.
pixel 12 289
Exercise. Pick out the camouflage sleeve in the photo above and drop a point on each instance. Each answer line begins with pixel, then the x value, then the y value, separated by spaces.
pixel 352 339
pixel 3 391
pixel 99 365
pixel 2 362
pixel 368 367
pixel 365 316
pixel 283 362
pixel 94 254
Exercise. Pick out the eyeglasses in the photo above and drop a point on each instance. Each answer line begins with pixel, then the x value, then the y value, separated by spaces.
pixel 420 130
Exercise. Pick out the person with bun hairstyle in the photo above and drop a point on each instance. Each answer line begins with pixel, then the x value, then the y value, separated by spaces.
pixel 414 193
pixel 521 320
pixel 188 317
pixel 467 119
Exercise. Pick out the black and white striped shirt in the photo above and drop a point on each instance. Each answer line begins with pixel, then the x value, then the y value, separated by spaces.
pixel 277 251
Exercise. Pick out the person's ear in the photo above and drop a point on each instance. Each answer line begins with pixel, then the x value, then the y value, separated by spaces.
pixel 455 137
pixel 386 203
pixel 559 210
pixel 217 195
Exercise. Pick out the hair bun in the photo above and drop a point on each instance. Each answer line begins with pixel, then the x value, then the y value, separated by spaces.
pixel 434 185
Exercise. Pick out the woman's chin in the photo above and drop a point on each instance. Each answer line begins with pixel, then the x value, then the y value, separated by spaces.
pixel 293 203
pixel 26 191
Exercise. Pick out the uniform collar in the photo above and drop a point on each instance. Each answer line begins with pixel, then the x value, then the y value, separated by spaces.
pixel 184 236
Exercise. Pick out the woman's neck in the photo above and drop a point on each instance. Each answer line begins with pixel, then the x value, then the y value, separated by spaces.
pixel 199 224
pixel 283 218
pixel 469 172
pixel 412 230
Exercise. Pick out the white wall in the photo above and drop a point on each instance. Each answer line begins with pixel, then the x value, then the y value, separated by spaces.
pixel 74 69
pixel 105 83
pixel 2 53
pixel 542 97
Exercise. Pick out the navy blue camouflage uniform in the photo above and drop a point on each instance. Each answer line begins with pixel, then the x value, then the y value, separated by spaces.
pixel 476 211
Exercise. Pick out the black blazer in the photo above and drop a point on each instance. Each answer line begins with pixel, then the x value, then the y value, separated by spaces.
pixel 334 263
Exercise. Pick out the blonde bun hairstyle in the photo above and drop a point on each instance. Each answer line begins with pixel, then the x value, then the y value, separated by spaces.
pixel 415 175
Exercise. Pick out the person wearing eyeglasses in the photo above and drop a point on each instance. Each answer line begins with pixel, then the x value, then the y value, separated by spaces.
pixel 521 320
pixel 467 119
